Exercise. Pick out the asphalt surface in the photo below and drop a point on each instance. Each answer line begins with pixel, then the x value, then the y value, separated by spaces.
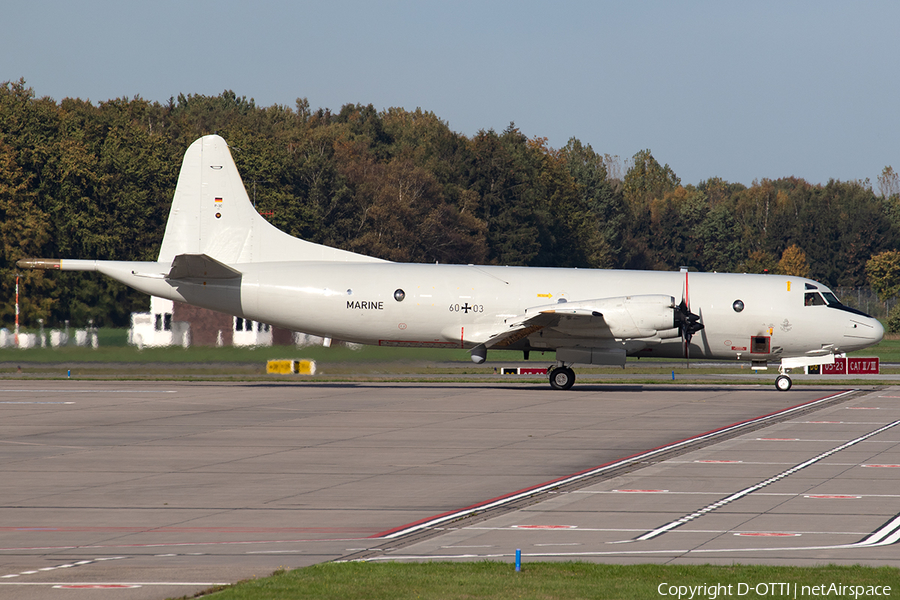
pixel 164 488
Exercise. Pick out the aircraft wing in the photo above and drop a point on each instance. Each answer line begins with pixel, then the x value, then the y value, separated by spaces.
pixel 520 328
pixel 625 317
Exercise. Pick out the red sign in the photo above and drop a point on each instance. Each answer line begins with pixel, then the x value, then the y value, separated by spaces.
pixel 862 366
pixel 838 368
pixel 852 366
pixel 528 371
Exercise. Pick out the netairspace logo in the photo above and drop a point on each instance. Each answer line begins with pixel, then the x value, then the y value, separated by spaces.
pixel 772 590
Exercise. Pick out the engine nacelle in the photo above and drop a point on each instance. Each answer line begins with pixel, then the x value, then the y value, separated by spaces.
pixel 479 354
pixel 623 317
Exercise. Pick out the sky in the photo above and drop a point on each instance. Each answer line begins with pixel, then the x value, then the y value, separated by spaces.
pixel 739 90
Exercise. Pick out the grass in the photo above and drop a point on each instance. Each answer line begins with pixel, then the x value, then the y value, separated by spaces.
pixel 546 581
pixel 114 359
pixel 113 348
pixel 888 349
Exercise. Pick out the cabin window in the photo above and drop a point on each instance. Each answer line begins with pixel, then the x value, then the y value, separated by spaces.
pixel 738 305
pixel 759 344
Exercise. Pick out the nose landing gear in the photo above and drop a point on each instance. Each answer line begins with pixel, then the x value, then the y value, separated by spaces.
pixel 783 383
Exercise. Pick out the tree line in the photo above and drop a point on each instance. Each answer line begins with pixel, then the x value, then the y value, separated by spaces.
pixel 95 180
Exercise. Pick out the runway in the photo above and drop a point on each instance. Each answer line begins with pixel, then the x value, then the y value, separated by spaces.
pixel 173 487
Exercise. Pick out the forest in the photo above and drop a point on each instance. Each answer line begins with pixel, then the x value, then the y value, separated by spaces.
pixel 95 180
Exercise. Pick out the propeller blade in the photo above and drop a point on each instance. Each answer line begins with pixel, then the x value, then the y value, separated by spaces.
pixel 688 323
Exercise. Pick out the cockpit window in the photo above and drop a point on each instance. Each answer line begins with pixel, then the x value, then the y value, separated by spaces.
pixel 831 299
pixel 814 299
pixel 827 298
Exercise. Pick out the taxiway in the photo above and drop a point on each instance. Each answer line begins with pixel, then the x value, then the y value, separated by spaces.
pixel 176 486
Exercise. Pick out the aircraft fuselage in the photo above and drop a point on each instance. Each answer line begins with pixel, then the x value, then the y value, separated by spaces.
pixel 459 306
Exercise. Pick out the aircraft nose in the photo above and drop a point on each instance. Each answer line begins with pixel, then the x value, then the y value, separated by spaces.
pixel 863 332
pixel 877 331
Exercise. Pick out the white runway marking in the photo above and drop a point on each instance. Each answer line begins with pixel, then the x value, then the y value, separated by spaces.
pixel 601 469
pixel 888 534
pixel 788 494
pixel 81 391
pixel 692 531
pixel 80 563
pixel 33 402
pixel 180 544
pixel 747 491
pixel 114 584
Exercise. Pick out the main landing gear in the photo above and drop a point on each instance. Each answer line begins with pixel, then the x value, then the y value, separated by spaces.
pixel 561 377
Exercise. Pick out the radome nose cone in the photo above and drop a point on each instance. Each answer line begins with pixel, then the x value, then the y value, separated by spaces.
pixel 877 331
pixel 862 333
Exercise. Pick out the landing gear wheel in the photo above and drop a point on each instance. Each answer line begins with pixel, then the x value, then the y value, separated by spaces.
pixel 783 383
pixel 562 378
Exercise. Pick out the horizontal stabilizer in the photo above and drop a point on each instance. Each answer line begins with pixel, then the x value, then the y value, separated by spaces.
pixel 38 263
pixel 200 266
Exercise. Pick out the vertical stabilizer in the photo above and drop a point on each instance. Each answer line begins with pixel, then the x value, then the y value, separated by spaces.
pixel 211 214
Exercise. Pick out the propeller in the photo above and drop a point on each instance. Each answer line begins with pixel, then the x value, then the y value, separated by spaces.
pixel 688 323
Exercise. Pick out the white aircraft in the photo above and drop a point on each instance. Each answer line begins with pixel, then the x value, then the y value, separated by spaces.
pixel 219 253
